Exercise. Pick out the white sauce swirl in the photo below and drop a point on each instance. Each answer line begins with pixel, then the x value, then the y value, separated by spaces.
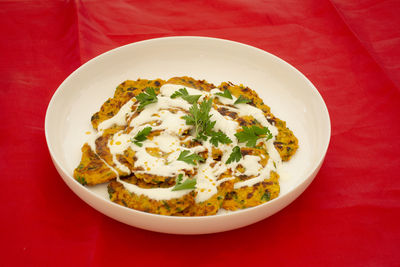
pixel 165 116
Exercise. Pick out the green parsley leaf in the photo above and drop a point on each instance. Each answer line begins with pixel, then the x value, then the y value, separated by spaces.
pixel 141 136
pixel 242 99
pixel 180 177
pixel 235 155
pixel 191 98
pixel 252 134
pixel 147 98
pixel 180 92
pixel 226 94
pixel 190 159
pixel 185 95
pixel 219 137
pixel 199 116
pixel 187 184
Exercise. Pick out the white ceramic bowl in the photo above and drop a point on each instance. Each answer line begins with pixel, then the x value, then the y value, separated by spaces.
pixel 289 94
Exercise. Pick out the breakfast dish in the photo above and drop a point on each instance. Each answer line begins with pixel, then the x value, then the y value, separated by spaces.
pixel 185 147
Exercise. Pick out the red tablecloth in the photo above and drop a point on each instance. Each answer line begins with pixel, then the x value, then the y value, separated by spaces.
pixel 349 50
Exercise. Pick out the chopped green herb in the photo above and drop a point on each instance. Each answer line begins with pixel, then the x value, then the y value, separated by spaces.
pixel 110 191
pixel 250 135
pixel 242 99
pixel 226 94
pixel 166 205
pixel 185 95
pixel 81 180
pixel 235 155
pixel 180 177
pixel 219 137
pixel 141 136
pixel 147 98
pixel 187 184
pixel 266 196
pixel 190 159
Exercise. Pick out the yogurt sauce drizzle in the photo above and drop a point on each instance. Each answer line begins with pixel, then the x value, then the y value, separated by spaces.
pixel 166 116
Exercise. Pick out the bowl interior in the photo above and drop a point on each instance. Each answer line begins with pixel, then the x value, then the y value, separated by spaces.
pixel 289 94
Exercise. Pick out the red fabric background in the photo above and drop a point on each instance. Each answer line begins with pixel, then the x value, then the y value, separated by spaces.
pixel 349 50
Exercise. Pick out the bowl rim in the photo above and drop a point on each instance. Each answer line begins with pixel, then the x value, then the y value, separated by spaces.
pixel 311 172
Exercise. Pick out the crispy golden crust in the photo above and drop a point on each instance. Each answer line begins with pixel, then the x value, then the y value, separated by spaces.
pixel 104 152
pixel 259 193
pixel 123 93
pixel 128 158
pixel 238 90
pixel 134 180
pixel 155 179
pixel 190 82
pixel 211 205
pixel 92 170
pixel 120 195
pixel 286 143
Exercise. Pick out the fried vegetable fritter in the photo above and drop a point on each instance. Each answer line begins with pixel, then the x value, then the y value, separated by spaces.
pixel 250 196
pixel 120 195
pixel 92 170
pixel 211 205
pixel 190 82
pixel 124 92
pixel 94 167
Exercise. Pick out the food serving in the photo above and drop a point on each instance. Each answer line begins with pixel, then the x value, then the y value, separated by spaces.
pixel 185 147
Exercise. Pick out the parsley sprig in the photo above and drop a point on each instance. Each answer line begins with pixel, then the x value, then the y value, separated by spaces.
pixel 147 98
pixel 219 137
pixel 187 184
pixel 226 94
pixel 241 100
pixel 141 136
pixel 185 95
pixel 199 116
pixel 190 159
pixel 235 155
pixel 250 135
